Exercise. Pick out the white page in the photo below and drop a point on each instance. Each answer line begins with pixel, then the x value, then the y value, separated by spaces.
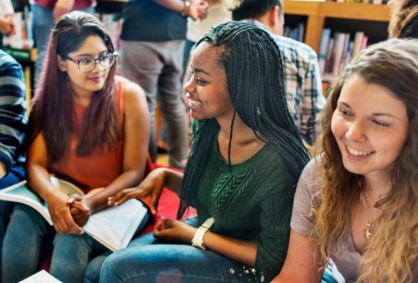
pixel 115 226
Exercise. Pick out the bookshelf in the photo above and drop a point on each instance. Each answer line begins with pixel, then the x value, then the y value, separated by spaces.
pixel 322 14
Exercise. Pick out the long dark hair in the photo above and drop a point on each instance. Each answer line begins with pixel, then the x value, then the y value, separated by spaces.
pixel 51 111
pixel 255 77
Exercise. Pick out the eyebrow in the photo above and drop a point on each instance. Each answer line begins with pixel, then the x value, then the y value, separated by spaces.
pixel 374 114
pixel 90 55
pixel 196 70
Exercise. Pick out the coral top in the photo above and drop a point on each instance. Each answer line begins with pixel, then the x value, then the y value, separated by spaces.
pixel 103 165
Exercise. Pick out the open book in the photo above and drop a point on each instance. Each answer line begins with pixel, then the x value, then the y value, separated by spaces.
pixel 113 226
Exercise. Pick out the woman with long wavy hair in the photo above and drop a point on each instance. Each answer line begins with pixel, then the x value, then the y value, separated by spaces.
pixel 356 205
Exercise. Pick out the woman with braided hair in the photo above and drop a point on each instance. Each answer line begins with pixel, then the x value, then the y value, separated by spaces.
pixel 245 161
pixel 356 205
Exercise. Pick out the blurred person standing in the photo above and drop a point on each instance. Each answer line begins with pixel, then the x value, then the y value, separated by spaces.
pixel 153 38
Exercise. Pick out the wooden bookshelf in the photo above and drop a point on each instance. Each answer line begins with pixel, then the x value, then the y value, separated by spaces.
pixel 318 12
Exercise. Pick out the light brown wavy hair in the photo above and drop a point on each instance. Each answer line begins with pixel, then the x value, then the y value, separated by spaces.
pixel 393 250
pixel 404 18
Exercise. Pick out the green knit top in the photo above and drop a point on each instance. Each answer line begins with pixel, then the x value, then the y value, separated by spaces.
pixel 253 203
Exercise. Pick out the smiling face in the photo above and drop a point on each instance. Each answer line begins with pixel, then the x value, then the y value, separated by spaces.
pixel 208 95
pixel 86 83
pixel 370 126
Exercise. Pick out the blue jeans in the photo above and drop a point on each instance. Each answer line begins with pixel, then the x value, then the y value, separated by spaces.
pixel 15 175
pixel 23 244
pixel 158 67
pixel 43 22
pixel 149 260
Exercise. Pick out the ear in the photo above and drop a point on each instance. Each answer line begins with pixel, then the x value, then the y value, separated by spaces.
pixel 273 16
pixel 61 64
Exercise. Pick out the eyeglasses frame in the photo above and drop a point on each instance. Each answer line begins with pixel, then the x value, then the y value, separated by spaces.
pixel 114 53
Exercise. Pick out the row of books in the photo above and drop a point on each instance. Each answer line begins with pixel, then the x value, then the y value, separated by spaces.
pixel 337 49
pixel 297 33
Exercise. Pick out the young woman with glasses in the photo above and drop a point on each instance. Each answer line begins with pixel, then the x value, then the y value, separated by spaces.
pixel 86 126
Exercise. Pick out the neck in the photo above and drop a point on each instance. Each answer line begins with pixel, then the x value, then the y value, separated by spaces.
pixel 376 188
pixel 241 132
pixel 82 99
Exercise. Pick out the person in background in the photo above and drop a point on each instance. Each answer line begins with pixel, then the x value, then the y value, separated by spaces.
pixel 86 126
pixel 45 13
pixel 246 157
pixel 302 75
pixel 356 204
pixel 12 130
pixel 404 18
pixel 7 24
pixel 217 13
pixel 153 36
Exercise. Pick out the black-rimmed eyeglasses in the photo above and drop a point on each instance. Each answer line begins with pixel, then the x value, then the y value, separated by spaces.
pixel 88 64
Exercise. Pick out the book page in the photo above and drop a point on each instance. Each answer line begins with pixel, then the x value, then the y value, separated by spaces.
pixel 21 193
pixel 115 226
pixel 41 277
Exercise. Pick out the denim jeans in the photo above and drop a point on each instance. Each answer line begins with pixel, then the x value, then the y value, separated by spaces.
pixel 23 244
pixel 157 67
pixel 43 22
pixel 15 175
pixel 149 260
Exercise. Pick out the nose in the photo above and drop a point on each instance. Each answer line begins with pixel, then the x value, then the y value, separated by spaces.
pixel 188 86
pixel 356 131
pixel 97 63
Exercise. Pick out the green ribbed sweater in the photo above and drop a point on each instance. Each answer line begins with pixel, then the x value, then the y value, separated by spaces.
pixel 257 207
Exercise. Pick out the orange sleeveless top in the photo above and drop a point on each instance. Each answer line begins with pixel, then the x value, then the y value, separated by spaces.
pixel 103 165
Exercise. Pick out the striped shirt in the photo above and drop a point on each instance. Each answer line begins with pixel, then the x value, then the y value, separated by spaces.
pixel 12 109
pixel 303 84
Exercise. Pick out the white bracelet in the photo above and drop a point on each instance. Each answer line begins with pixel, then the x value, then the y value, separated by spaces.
pixel 200 232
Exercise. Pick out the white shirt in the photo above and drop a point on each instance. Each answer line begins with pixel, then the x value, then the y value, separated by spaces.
pixel 6 7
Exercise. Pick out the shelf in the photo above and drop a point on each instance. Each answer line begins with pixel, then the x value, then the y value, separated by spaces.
pixel 26 55
pixel 318 12
pixel 355 11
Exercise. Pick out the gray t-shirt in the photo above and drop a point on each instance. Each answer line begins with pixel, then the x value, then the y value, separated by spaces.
pixel 348 259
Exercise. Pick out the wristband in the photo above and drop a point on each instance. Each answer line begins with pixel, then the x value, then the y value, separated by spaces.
pixel 186 7
pixel 200 232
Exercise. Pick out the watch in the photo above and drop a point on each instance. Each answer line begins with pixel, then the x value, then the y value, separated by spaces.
pixel 200 232
pixel 186 6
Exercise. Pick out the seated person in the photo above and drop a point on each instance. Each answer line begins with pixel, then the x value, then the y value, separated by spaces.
pixel 246 157
pixel 356 204
pixel 12 128
pixel 86 126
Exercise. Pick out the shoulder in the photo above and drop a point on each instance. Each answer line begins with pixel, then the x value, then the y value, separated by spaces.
pixel 8 63
pixel 130 90
pixel 292 48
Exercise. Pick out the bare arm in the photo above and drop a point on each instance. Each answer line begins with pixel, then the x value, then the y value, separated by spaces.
pixel 197 9
pixel 300 265
pixel 149 190
pixel 38 178
pixel 136 139
pixel 178 231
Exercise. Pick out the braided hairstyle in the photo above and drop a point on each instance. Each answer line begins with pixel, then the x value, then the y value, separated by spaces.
pixel 255 79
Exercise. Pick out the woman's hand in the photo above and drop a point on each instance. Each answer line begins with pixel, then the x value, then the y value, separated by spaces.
pixel 59 209
pixel 79 208
pixel 174 231
pixel 149 191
